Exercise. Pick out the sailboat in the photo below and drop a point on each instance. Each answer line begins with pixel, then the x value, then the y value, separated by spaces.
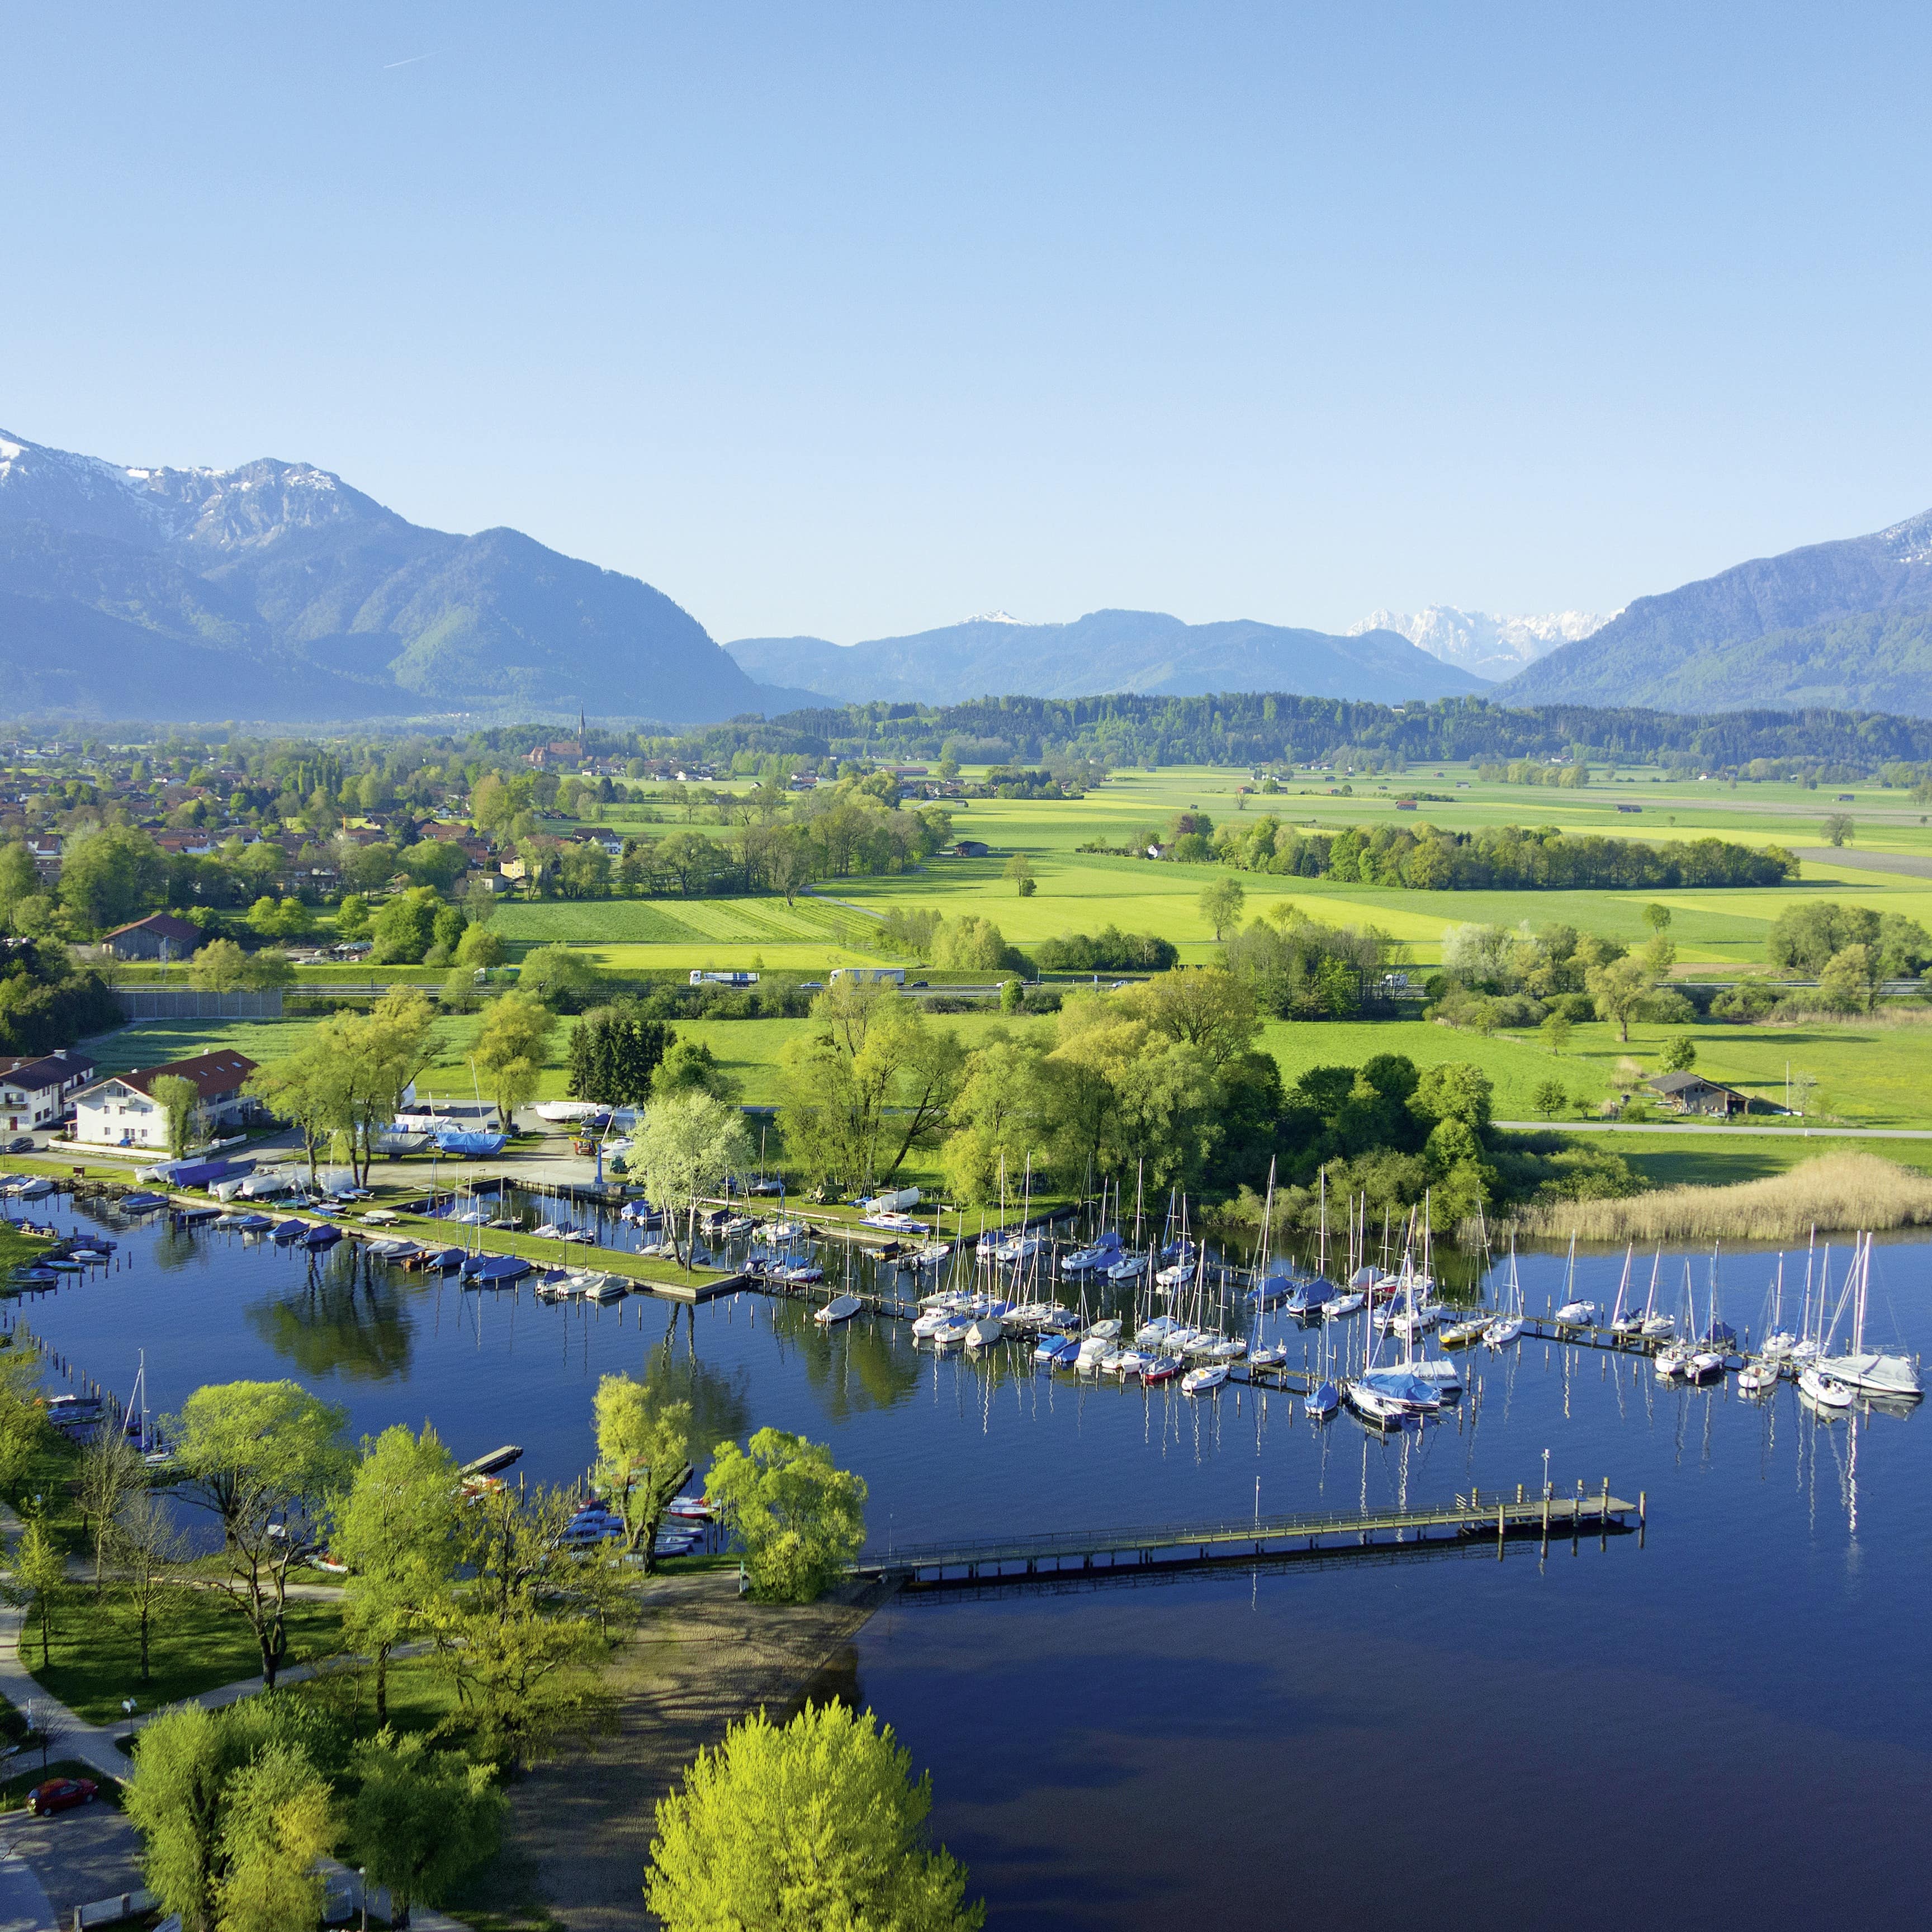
pixel 1708 1360
pixel 1309 1298
pixel 1894 1375
pixel 1507 1327
pixel 1575 1310
pixel 1636 1322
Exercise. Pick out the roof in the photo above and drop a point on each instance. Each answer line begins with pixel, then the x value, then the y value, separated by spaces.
pixel 1680 1083
pixel 220 1072
pixel 34 1072
pixel 162 925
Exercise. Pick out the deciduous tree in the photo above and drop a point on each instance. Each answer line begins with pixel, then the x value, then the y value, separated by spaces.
pixel 511 1044
pixel 800 1517
pixel 423 1820
pixel 816 1824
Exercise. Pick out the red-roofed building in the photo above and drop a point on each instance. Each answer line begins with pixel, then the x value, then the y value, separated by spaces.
pixel 160 936
pixel 121 1110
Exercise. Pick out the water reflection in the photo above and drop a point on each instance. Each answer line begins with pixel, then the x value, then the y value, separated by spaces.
pixel 720 1399
pixel 345 1315
pixel 861 1365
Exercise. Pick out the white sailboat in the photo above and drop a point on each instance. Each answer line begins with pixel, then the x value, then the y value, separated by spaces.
pixel 1575 1310
pixel 1895 1375
pixel 1507 1327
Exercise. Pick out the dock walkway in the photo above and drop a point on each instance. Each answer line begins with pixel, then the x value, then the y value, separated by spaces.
pixel 1503 1515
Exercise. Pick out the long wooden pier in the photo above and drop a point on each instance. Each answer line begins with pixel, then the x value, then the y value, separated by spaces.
pixel 1502 1515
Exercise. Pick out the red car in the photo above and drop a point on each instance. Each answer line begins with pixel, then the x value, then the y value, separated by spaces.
pixel 60 1794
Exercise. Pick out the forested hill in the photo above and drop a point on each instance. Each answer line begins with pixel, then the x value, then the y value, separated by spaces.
pixel 1252 727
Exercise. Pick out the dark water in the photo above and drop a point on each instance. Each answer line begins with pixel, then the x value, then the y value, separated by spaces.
pixel 1728 1724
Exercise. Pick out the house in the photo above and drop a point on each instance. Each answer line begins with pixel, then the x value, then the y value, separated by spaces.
pixel 45 852
pixel 34 1092
pixel 121 1110
pixel 1630 808
pixel 971 848
pixel 160 936
pixel 613 842
pixel 1692 1093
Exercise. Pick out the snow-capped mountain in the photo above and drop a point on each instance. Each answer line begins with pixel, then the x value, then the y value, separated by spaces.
pixel 275 591
pixel 1488 647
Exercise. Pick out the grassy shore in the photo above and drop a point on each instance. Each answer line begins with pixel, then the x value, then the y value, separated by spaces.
pixel 1842 1190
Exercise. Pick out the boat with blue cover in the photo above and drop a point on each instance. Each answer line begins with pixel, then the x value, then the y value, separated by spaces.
pixel 467 1145
pixel 495 1270
pixel 321 1236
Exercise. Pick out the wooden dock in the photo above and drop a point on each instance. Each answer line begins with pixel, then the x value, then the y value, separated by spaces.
pixel 1501 1516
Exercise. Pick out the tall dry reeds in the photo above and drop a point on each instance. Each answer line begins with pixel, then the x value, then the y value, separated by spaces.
pixel 1835 1191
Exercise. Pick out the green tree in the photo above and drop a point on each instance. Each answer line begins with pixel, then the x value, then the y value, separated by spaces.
pixel 352 917
pixel 687 1146
pixel 479 946
pixel 1556 1029
pixel 23 1422
pixel 1206 1007
pixel 815 1824
pixel 1221 905
pixel 1019 869
pixel 511 1044
pixel 1012 996
pixel 111 1470
pixel 1619 988
pixel 277 1821
pixel 1839 828
pixel 567 981
pixel 405 929
pixel 1656 917
pixel 1550 1099
pixel 40 1575
pixel 642 1455
pixel 423 1820
pixel 1850 982
pixel 1681 1055
pixel 397 1529
pixel 20 878
pixel 264 1458
pixel 690 1066
pixel 613 1053
pixel 800 1518
pixel 1454 1091
pixel 180 1103
pixel 148 1550
pixel 376 1056
pixel 112 875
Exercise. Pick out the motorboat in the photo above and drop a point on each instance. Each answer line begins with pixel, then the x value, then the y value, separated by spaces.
pixel 495 1270
pixel 840 1308
pixel 1057 1351
pixel 1754 1377
pixel 1129 1268
pixel 1130 1362
pixel 1462 1334
pixel 604 1287
pixel 1156 1333
pixel 934 1254
pixel 322 1235
pixel 1578 1314
pixel 284 1232
pixel 1108 1329
pixel 1347 1302
pixel 928 1324
pixel 1093 1352
pixel 1201 1381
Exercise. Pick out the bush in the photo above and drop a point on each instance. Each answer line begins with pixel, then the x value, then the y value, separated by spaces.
pixel 1749 1000
pixel 1109 950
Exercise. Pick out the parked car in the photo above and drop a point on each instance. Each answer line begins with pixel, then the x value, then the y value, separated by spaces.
pixel 60 1794
pixel 22 1144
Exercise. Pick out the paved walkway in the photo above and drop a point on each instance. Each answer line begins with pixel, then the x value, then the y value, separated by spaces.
pixel 1677 1126
pixel 24 1905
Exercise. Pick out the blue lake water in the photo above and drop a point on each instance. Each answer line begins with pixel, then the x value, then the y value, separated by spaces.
pixel 1727 1723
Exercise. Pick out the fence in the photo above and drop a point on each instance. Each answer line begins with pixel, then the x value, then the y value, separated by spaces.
pixel 169 1003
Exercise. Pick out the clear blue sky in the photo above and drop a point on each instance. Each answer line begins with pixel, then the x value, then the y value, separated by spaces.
pixel 857 319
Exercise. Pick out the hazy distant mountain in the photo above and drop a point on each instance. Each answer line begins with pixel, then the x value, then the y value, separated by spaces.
pixel 1142 651
pixel 275 591
pixel 1492 647
pixel 1846 624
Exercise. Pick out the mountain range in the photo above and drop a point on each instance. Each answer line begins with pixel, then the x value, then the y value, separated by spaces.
pixel 1846 624
pixel 1140 651
pixel 275 591
pixel 1492 647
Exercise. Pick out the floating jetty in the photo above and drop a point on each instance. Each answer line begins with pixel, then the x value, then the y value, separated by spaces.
pixel 1502 1516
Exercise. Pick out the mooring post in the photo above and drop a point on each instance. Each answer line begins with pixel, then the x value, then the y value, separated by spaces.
pixel 1546 1519
pixel 1500 1519
pixel 1642 1523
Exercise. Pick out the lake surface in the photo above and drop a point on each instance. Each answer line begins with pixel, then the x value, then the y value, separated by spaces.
pixel 1727 1724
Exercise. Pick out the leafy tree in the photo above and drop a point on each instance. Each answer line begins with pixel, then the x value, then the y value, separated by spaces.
pixel 1550 1099
pixel 40 1575
pixel 613 1053
pixel 1454 1091
pixel 1556 1029
pixel 352 917
pixel 375 1055
pixel 112 875
pixel 510 1047
pixel 795 1828
pixel 310 1090
pixel 1019 869
pixel 1012 996
pixel 688 1145
pixel 1221 905
pixel 111 1470
pixel 1681 1055
pixel 222 967
pixel 1839 828
pixel 479 946
pixel 405 929
pixel 564 979
pixel 800 1517
pixel 180 1103
pixel 642 1455
pixel 1618 989
pixel 1206 1007
pixel 1656 917
pixel 423 1820
pixel 263 1457
pixel 1850 982
pixel 20 878
pixel 23 1422
pixel 690 1066
pixel 233 1816
pixel 397 1528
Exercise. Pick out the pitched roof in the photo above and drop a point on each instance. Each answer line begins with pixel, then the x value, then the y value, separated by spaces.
pixel 219 1072
pixel 1678 1083
pixel 162 925
pixel 36 1072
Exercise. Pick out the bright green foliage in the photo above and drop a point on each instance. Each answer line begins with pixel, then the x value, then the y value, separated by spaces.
pixel 642 1459
pixel 688 1144
pixel 1453 1091
pixel 564 979
pixel 511 1045
pixel 423 1818
pixel 405 928
pixel 1681 1055
pixel 233 1816
pixel 1552 1098
pixel 179 1101
pixel 398 1529
pixel 39 1576
pixel 1221 905
pixel 111 876
pixel 814 1827
pixel 1619 988
pixel 800 1517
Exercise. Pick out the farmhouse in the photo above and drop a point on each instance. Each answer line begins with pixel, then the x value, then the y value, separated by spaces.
pixel 121 1110
pixel 1692 1093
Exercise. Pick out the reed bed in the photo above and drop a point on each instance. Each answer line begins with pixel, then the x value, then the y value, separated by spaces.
pixel 1842 1190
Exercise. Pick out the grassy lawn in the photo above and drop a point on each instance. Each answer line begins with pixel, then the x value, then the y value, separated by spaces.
pixel 205 1644
pixel 1711 1160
